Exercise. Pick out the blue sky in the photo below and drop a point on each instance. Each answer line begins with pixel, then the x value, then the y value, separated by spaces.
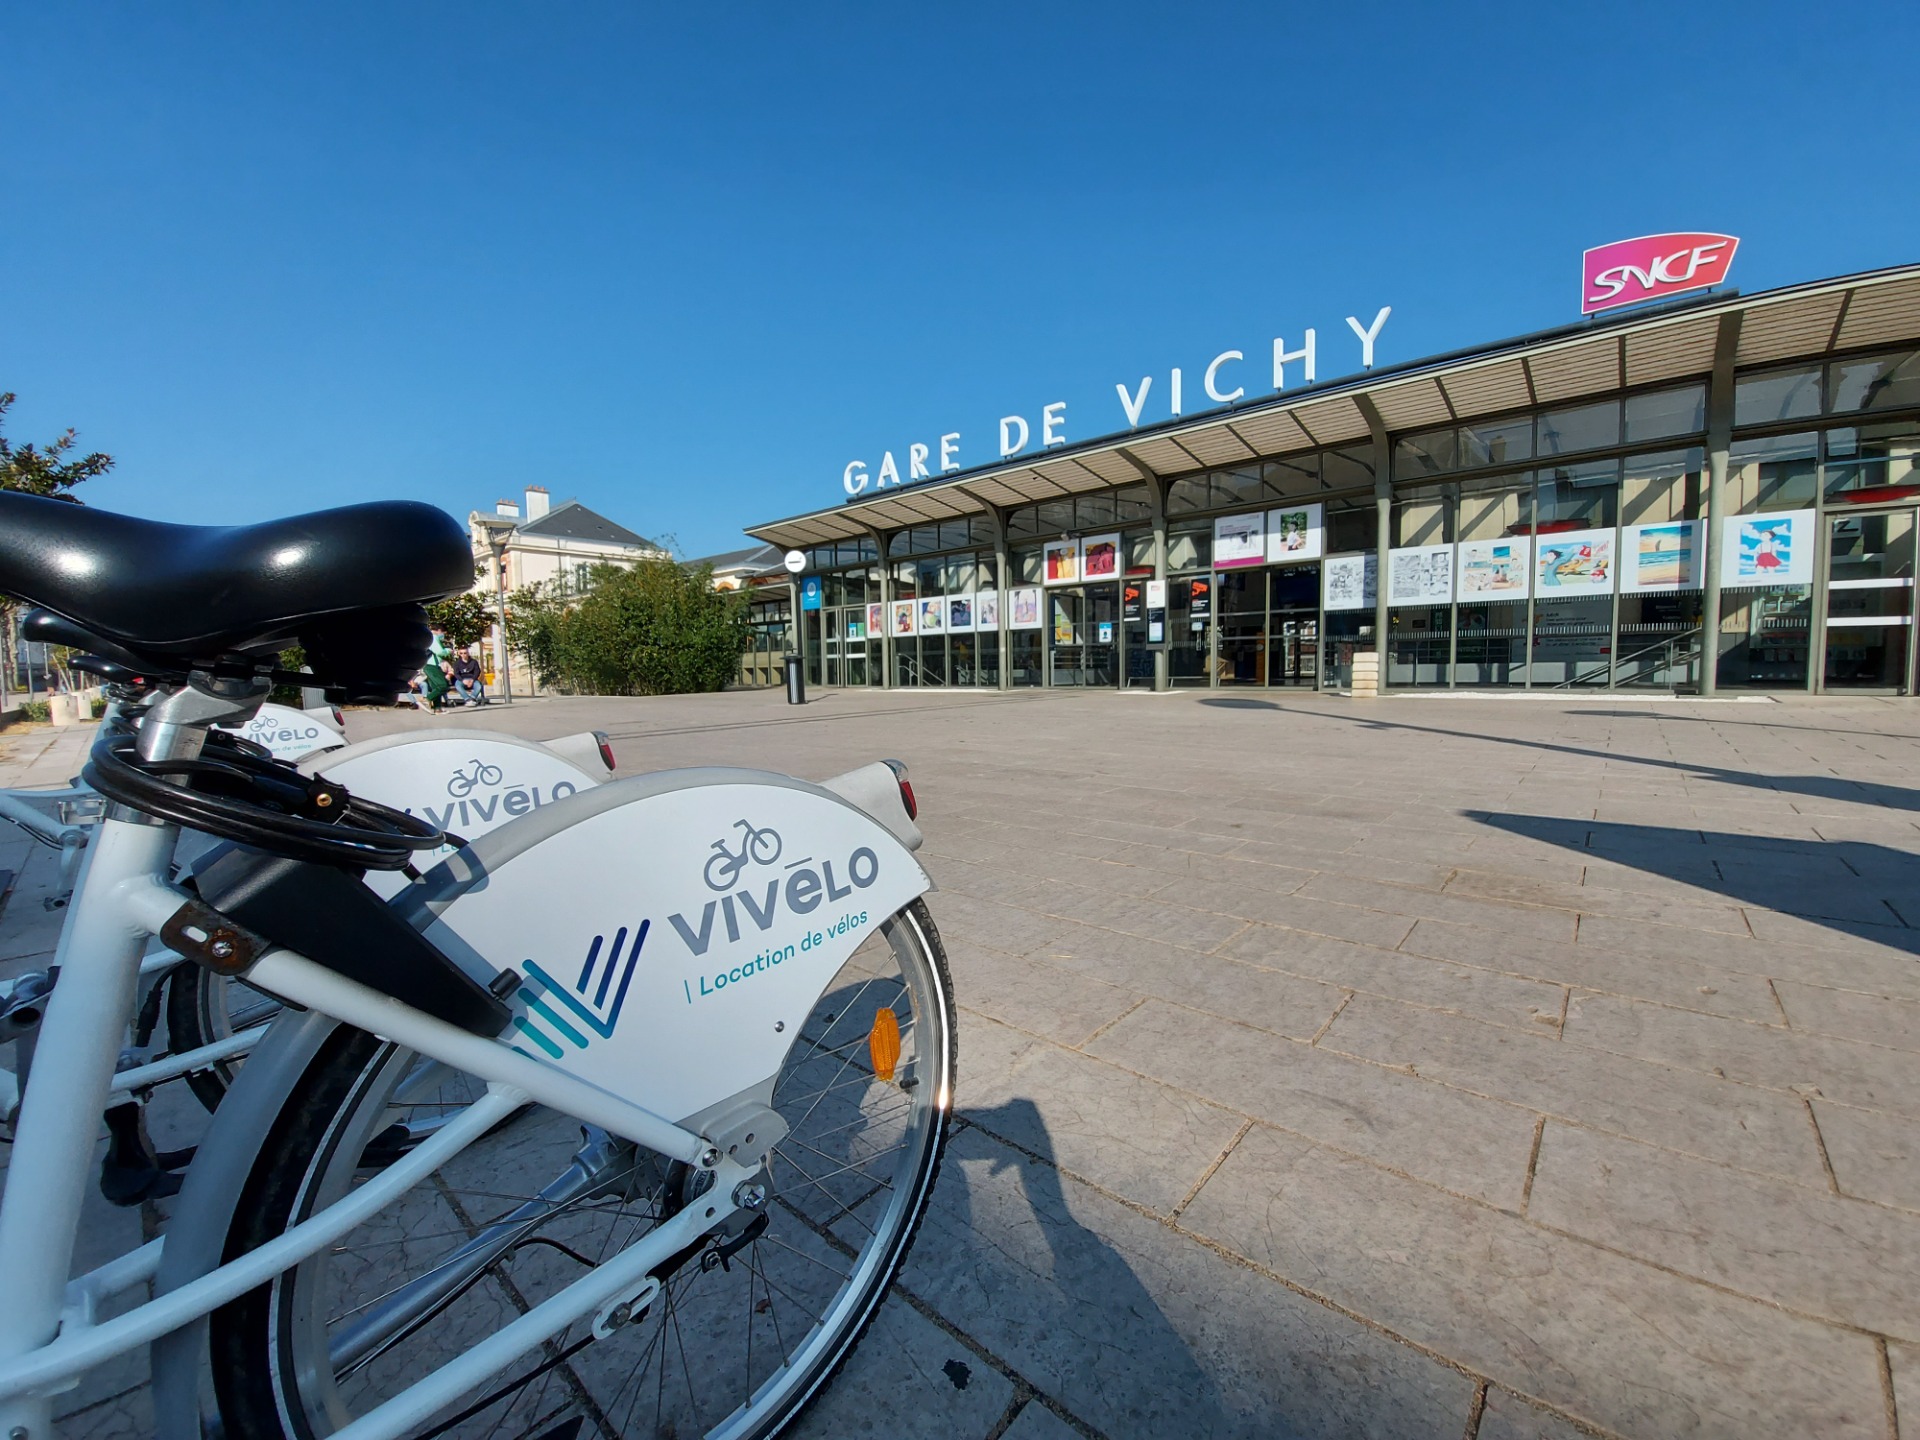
pixel 687 264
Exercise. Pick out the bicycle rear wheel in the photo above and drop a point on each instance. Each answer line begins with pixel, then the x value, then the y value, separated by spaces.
pixel 735 1344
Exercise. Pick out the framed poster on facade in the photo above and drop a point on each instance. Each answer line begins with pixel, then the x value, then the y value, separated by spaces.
pixel 1349 582
pixel 1495 569
pixel 1100 558
pixel 1295 532
pixel 1239 540
pixel 810 593
pixel 960 614
pixel 1775 549
pixel 1061 559
pixel 1573 562
pixel 1023 608
pixel 1666 556
pixel 876 620
pixel 931 618
pixel 1420 575
pixel 986 610
pixel 903 617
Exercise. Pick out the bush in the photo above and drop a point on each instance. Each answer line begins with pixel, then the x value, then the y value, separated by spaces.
pixel 36 710
pixel 656 629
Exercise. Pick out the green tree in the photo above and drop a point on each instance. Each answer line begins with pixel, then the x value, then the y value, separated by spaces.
pixel 654 629
pixel 46 471
pixel 463 617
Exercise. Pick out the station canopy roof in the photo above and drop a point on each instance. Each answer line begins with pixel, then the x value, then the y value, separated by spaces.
pixel 1590 359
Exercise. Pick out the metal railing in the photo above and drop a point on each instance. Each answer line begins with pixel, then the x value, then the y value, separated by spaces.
pixel 1612 666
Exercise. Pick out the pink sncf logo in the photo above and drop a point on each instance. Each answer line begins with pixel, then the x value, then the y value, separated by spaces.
pixel 1629 271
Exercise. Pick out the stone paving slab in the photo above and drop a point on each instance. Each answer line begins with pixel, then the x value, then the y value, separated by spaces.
pixel 1269 1124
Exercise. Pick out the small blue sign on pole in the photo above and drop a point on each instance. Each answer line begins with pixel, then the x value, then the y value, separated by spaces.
pixel 810 593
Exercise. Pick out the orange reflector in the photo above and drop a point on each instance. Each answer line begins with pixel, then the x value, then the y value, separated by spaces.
pixel 883 1043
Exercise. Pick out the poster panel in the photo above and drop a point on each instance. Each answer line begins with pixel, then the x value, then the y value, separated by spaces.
pixel 1156 612
pixel 960 612
pixel 1775 549
pixel 1061 559
pixel 810 593
pixel 1239 540
pixel 1666 556
pixel 856 625
pixel 1132 600
pixel 1199 601
pixel 1573 562
pixel 1420 575
pixel 1495 569
pixel 1100 557
pixel 1295 532
pixel 986 610
pixel 1350 582
pixel 1024 608
pixel 931 618
pixel 876 620
pixel 1063 633
pixel 903 617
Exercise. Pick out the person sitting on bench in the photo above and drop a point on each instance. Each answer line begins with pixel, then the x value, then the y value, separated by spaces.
pixel 466 677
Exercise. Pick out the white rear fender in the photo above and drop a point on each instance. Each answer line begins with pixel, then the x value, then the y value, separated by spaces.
pixel 672 931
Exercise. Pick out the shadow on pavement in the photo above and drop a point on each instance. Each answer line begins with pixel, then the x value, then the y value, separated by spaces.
pixel 1822 787
pixel 1229 703
pixel 1058 1301
pixel 1854 887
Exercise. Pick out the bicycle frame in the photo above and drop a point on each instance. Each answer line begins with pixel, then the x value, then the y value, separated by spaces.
pixel 47 1334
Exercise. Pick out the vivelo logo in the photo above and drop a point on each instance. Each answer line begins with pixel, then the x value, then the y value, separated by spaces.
pixel 480 796
pixel 594 1000
pixel 757 846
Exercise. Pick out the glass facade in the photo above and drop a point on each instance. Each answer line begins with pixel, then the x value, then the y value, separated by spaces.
pixel 1563 547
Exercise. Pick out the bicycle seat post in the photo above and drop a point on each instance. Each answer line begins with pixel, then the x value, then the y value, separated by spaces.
pixel 176 726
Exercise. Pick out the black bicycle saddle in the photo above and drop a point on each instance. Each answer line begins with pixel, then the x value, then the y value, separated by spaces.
pixel 346 584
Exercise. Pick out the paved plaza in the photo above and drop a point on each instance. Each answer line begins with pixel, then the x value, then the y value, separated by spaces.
pixel 1436 1066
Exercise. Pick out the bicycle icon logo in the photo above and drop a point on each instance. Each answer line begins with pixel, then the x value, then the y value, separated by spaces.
pixel 472 776
pixel 762 847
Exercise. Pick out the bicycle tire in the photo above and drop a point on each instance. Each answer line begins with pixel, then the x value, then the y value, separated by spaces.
pixel 272 1376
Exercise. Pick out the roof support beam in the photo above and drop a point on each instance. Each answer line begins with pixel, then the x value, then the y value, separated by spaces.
pixel 1719 440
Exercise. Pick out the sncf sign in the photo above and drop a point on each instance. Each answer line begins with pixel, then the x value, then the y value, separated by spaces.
pixel 1629 271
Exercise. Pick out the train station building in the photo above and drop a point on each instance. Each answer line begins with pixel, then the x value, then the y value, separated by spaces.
pixel 1719 493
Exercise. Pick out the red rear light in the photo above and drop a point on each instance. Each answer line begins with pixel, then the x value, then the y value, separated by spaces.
pixel 606 749
pixel 899 768
pixel 338 718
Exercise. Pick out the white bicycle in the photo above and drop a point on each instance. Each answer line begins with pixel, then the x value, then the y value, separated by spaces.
pixel 702 1127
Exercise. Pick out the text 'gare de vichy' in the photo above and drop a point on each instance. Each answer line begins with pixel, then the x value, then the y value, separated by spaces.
pixel 1015 433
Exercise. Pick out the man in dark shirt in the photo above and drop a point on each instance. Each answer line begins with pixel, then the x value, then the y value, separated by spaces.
pixel 466 677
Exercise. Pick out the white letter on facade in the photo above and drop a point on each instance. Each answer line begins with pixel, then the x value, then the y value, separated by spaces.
pixel 1281 355
pixel 1173 386
pixel 1214 369
pixel 1008 445
pixel 855 484
pixel 949 451
pixel 889 472
pixel 1367 335
pixel 1052 417
pixel 1132 403
pixel 916 462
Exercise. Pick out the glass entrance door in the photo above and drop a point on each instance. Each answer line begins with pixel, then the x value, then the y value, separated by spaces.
pixel 1084 635
pixel 1870 600
pixel 1293 628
